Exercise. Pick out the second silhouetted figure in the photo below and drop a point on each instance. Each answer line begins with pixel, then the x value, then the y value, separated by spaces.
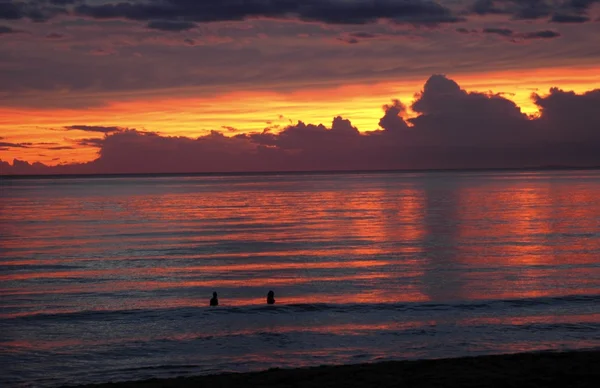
pixel 271 297
pixel 214 301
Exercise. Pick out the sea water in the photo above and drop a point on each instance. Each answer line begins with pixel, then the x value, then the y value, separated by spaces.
pixel 109 278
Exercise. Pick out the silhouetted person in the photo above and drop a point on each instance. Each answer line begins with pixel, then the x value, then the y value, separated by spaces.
pixel 214 301
pixel 271 297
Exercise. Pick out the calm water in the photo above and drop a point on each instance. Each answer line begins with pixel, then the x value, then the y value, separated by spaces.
pixel 109 278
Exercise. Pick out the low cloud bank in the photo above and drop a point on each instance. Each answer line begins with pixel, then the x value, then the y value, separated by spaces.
pixel 453 128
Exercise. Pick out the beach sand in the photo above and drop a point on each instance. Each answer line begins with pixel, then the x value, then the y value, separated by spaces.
pixel 544 369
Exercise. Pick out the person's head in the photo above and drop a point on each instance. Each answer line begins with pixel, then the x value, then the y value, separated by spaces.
pixel 214 294
pixel 271 294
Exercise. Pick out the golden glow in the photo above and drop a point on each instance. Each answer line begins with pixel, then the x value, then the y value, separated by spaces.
pixel 175 113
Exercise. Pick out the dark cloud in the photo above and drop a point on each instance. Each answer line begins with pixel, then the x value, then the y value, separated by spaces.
pixel 546 34
pixel 14 145
pixel 93 128
pixel 7 30
pixel 508 33
pixel 392 119
pixel 569 117
pixel 349 40
pixel 54 35
pixel 519 9
pixel 565 18
pixel 498 31
pixel 560 11
pixel 36 10
pixel 229 129
pixel 91 142
pixel 42 145
pixel 166 25
pixel 356 37
pixel 363 35
pixel 453 128
pixel 325 11
pixel 451 116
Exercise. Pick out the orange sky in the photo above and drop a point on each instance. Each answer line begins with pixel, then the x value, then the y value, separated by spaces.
pixel 182 115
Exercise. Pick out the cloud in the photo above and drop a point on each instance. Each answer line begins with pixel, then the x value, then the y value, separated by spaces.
pixel 356 37
pixel 559 11
pixel 8 30
pixel 508 33
pixel 36 10
pixel 324 11
pixel 498 31
pixel 54 35
pixel 569 117
pixel 41 145
pixel 363 35
pixel 91 142
pixel 178 12
pixel 93 128
pixel 545 34
pixel 564 18
pixel 4 144
pixel 448 127
pixel 166 25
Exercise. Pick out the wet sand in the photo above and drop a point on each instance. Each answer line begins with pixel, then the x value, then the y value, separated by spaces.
pixel 545 369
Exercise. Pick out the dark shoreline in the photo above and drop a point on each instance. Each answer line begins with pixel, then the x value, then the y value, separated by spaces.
pixel 539 369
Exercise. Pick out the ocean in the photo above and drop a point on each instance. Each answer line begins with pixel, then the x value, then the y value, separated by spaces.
pixel 109 278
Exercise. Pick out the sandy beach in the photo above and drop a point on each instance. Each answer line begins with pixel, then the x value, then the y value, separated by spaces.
pixel 545 369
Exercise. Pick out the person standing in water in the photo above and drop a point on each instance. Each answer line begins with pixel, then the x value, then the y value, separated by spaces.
pixel 214 301
pixel 271 297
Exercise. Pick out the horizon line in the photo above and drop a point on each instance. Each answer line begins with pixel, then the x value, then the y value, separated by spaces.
pixel 292 172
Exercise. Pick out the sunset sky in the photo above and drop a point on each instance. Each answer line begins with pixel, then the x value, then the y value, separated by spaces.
pixel 123 86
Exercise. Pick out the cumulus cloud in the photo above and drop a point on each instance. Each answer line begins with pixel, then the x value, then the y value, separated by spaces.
pixel 448 127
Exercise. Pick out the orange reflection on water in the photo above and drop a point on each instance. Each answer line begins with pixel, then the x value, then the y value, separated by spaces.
pixel 191 270
pixel 399 239
pixel 535 233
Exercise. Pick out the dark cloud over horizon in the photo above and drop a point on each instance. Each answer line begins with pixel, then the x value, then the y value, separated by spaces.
pixel 453 128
